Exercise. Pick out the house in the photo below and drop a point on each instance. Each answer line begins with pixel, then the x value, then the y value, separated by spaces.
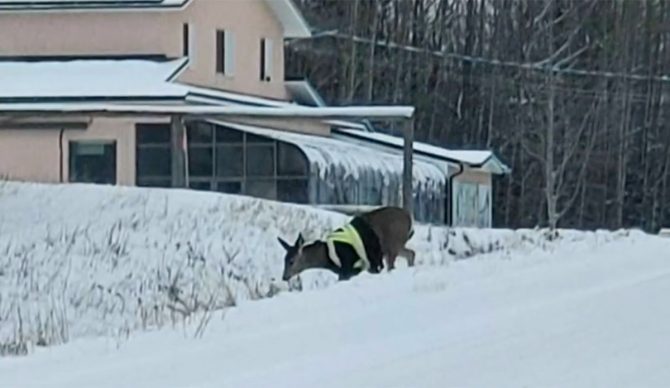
pixel 89 91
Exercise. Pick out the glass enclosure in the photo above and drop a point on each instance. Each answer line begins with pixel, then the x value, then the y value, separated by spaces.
pixel 229 160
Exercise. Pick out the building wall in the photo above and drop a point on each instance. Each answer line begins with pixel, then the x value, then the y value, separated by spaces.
pixel 472 202
pixel 249 20
pixel 34 154
pixel 89 33
pixel 31 155
pixel 145 32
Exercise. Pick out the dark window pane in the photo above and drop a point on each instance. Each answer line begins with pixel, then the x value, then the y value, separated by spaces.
pixel 290 160
pixel 262 189
pixel 200 132
pixel 152 133
pixel 200 161
pixel 229 187
pixel 92 162
pixel 220 50
pixel 200 185
pixel 251 138
pixel 229 161
pixel 292 190
pixel 260 160
pixel 228 135
pixel 153 161
pixel 154 182
pixel 185 40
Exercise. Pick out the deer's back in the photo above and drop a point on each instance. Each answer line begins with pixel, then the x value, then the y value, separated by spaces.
pixel 393 225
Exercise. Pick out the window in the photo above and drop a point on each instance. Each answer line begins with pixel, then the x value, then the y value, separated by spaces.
pixel 230 161
pixel 262 188
pixel 290 160
pixel 154 161
pixel 227 135
pixel 153 156
pixel 292 190
pixel 266 60
pixel 225 52
pixel 260 160
pixel 232 187
pixel 200 185
pixel 200 133
pixel 186 43
pixel 227 160
pixel 200 161
pixel 92 162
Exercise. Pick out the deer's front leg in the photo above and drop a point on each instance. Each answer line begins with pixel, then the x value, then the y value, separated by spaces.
pixel 390 262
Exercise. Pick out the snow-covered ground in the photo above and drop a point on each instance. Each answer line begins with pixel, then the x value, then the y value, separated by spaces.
pixel 578 310
pixel 595 316
pixel 83 260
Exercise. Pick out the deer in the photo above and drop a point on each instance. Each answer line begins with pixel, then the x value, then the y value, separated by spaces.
pixel 383 232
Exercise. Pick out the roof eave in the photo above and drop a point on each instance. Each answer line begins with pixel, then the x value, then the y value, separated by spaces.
pixel 493 165
pixel 103 6
pixel 292 20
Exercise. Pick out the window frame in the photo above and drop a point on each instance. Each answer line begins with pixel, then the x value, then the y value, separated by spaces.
pixel 164 145
pixel 266 55
pixel 246 141
pixel 225 52
pixel 74 144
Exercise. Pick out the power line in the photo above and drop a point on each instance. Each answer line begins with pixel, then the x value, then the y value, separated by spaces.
pixel 478 79
pixel 534 66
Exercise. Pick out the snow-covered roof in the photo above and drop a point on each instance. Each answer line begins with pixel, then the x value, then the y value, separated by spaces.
pixel 482 159
pixel 89 79
pixel 304 93
pixel 328 153
pixel 37 5
pixel 198 94
pixel 293 23
pixel 205 110
pixel 301 91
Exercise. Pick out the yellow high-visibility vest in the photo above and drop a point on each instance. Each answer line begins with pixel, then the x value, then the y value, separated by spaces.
pixel 347 235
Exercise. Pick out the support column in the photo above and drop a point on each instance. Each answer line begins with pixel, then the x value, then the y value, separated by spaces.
pixel 408 152
pixel 177 134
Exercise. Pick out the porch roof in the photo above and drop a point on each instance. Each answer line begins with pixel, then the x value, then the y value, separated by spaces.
pixel 329 153
pixel 484 160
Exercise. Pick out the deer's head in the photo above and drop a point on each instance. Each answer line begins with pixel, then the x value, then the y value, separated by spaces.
pixel 293 261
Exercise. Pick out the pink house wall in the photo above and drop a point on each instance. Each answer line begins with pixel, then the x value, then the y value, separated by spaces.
pixel 30 155
pixel 158 32
pixel 34 155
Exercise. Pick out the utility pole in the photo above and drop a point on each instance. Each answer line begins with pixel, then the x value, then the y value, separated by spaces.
pixel 177 133
pixel 408 152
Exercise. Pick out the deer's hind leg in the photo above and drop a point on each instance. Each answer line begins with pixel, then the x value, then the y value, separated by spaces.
pixel 402 251
pixel 409 255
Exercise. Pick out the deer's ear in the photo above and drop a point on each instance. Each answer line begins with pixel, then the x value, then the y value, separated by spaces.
pixel 299 241
pixel 284 243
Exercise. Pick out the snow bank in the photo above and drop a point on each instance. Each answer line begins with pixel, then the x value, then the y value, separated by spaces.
pixel 83 260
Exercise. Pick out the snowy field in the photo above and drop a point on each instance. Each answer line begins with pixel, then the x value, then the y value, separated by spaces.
pixel 122 279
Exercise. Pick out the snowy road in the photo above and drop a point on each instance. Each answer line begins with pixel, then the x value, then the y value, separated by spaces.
pixel 598 318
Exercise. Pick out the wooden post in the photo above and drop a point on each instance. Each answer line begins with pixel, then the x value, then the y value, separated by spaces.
pixel 177 133
pixel 408 152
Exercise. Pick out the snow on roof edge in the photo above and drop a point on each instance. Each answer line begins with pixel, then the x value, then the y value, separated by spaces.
pixel 95 5
pixel 328 153
pixel 474 158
